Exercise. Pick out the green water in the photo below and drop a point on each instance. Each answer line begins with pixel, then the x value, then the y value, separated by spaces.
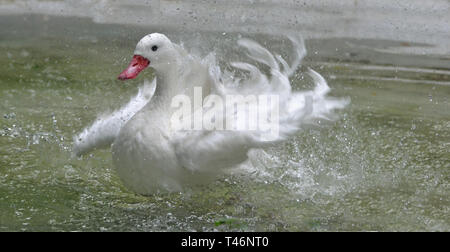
pixel 382 165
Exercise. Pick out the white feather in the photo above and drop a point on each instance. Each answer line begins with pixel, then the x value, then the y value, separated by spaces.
pixel 149 155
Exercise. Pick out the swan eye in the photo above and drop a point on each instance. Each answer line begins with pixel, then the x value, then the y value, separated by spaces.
pixel 154 48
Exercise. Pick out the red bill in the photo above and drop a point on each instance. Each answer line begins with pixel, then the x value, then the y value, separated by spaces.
pixel 137 64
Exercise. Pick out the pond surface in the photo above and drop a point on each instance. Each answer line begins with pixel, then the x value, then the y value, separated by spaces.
pixel 383 164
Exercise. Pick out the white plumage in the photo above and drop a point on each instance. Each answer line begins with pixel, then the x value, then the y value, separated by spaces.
pixel 150 155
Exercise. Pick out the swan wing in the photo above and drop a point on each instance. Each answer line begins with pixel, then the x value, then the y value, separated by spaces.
pixel 210 150
pixel 103 132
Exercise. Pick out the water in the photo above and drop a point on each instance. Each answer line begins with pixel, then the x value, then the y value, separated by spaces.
pixel 382 165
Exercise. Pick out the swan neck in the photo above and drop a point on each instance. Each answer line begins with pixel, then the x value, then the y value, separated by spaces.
pixel 166 82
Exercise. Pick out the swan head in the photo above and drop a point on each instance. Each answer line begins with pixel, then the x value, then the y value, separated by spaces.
pixel 154 50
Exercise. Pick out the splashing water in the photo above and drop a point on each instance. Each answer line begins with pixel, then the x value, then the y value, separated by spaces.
pixel 381 165
pixel 142 160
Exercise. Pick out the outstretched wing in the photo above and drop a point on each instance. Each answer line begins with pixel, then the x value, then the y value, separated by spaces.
pixel 105 129
pixel 210 150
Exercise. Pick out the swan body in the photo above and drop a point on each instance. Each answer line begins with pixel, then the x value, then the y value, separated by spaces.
pixel 150 154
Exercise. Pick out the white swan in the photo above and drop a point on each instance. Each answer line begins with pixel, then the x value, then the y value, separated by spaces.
pixel 149 154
